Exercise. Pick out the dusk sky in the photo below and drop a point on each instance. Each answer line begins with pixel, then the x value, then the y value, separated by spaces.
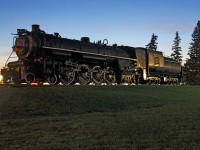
pixel 125 22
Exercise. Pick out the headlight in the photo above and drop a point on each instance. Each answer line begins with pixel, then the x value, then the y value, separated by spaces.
pixel 1 78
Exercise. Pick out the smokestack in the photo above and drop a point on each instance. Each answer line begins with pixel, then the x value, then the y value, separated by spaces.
pixel 35 28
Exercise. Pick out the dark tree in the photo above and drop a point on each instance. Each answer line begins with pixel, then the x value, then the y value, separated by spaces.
pixel 192 66
pixel 153 44
pixel 176 55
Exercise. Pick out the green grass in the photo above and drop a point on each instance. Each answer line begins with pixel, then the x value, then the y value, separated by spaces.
pixel 100 117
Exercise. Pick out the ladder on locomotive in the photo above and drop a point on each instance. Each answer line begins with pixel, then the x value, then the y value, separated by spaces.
pixel 10 57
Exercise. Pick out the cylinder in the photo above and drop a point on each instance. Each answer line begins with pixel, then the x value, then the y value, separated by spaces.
pixel 35 28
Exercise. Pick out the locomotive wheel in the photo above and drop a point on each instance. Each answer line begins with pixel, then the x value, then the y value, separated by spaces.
pixel 97 75
pixel 16 80
pixel 53 79
pixel 84 75
pixel 68 77
pixel 110 77
pixel 127 79
pixel 30 77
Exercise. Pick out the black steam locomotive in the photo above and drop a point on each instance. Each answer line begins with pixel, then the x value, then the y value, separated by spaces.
pixel 50 58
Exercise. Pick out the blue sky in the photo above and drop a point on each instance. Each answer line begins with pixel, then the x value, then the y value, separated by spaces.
pixel 125 22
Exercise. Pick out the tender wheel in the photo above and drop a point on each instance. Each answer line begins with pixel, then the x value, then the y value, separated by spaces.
pixel 30 77
pixel 110 77
pixel 53 80
pixel 97 75
pixel 84 75
pixel 67 77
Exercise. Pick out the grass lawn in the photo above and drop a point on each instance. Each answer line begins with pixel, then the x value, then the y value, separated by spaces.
pixel 100 117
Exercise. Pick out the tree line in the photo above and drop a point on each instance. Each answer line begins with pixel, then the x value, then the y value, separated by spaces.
pixel 191 68
pixel 176 49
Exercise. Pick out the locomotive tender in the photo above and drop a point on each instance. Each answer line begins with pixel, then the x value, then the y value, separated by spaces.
pixel 49 57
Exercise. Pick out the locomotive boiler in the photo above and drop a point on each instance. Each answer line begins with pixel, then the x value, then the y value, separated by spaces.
pixel 50 58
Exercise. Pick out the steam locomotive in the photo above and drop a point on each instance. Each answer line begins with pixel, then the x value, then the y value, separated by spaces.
pixel 50 58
